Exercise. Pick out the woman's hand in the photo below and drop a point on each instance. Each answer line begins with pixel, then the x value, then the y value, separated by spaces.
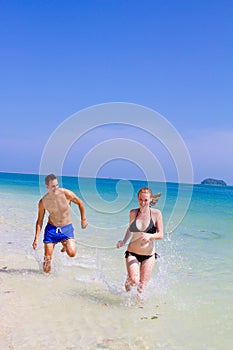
pixel 146 237
pixel 120 244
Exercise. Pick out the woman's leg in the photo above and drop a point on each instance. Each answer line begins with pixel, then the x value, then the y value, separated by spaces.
pixel 146 270
pixel 132 266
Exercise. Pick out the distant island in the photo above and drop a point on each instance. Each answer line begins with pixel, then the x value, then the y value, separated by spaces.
pixel 213 182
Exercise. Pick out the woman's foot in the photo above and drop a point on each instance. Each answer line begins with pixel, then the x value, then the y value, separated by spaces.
pixel 127 285
pixel 140 288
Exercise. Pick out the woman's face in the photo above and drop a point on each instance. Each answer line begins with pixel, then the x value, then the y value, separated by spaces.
pixel 144 199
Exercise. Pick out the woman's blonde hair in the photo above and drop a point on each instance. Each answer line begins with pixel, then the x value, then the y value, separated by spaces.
pixel 154 197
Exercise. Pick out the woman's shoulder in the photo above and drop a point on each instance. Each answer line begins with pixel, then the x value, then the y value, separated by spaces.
pixel 155 212
pixel 133 213
pixel 135 210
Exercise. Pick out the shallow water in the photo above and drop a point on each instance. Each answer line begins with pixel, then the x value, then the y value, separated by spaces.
pixel 82 303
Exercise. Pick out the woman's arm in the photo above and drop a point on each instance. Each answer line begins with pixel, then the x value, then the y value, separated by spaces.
pixel 125 239
pixel 159 224
pixel 127 233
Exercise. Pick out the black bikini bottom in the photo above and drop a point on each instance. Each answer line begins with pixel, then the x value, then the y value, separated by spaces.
pixel 140 258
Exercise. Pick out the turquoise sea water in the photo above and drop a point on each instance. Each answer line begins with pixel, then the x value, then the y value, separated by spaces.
pixel 188 303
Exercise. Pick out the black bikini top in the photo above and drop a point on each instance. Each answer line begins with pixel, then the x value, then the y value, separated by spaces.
pixel 150 229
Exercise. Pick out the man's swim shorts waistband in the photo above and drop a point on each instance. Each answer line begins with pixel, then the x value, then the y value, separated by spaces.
pixel 56 234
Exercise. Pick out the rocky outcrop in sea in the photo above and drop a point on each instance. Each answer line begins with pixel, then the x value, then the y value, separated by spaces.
pixel 210 181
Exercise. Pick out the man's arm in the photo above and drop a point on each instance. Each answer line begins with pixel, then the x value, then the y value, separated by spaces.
pixel 75 199
pixel 39 223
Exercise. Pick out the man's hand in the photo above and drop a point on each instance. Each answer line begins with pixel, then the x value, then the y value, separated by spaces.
pixel 84 223
pixel 35 244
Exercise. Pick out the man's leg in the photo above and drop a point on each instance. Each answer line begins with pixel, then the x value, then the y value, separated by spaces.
pixel 48 253
pixel 69 247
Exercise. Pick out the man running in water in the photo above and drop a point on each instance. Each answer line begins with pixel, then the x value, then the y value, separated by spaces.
pixel 59 227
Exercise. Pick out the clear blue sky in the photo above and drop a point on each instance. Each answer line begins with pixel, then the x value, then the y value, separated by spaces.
pixel 173 56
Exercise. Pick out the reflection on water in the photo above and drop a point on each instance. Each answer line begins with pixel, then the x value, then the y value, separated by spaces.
pixel 203 234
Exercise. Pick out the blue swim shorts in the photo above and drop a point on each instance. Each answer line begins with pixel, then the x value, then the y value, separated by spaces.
pixel 55 234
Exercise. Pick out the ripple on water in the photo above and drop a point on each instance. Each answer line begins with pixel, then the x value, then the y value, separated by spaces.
pixel 203 235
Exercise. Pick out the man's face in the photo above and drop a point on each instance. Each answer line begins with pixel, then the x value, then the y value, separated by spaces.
pixel 52 186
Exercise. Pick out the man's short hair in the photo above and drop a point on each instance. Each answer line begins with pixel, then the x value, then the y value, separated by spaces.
pixel 49 178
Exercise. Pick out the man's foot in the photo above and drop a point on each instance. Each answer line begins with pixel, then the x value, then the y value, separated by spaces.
pixel 47 264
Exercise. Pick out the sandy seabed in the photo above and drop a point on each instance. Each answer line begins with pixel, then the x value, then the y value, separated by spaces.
pixel 58 312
